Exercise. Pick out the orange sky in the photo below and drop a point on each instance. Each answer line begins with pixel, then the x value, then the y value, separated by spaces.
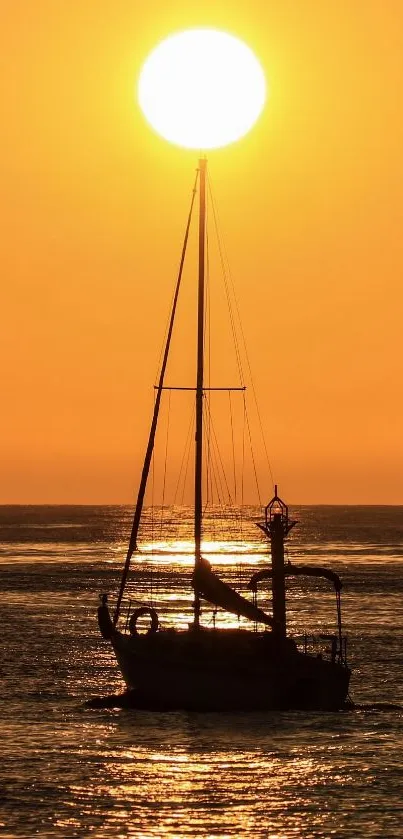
pixel 92 216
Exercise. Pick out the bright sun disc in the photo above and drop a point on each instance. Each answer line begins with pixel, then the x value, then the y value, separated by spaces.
pixel 202 88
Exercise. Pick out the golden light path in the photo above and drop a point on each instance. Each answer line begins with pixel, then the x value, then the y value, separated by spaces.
pixel 202 88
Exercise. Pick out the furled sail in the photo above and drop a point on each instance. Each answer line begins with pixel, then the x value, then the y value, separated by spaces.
pixel 220 594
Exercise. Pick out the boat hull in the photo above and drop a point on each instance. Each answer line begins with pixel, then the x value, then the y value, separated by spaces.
pixel 217 670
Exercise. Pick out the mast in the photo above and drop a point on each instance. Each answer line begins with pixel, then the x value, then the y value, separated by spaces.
pixel 199 382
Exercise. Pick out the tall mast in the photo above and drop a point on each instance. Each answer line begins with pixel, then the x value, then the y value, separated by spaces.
pixel 199 380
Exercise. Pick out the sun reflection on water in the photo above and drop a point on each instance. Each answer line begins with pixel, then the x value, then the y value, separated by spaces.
pixel 219 552
pixel 240 788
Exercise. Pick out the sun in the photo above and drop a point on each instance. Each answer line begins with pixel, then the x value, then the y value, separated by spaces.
pixel 202 88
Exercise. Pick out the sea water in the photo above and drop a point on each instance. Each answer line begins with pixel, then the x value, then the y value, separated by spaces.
pixel 69 770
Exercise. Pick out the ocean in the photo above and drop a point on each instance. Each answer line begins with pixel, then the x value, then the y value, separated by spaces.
pixel 69 770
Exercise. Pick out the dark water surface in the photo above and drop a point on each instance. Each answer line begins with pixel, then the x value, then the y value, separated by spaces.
pixel 71 771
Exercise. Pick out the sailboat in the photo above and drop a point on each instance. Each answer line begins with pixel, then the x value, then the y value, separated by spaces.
pixel 256 666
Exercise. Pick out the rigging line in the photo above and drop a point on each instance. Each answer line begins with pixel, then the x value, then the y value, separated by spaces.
pixel 225 270
pixel 165 466
pixel 215 212
pixel 141 602
pixel 253 459
pixel 233 445
pixel 226 286
pixel 208 461
pixel 192 427
pixel 147 460
pixel 222 474
pixel 212 473
pixel 185 452
pixel 216 452
pixel 216 484
pixel 185 476
pixel 208 496
pixel 211 455
pixel 243 459
pixel 216 490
